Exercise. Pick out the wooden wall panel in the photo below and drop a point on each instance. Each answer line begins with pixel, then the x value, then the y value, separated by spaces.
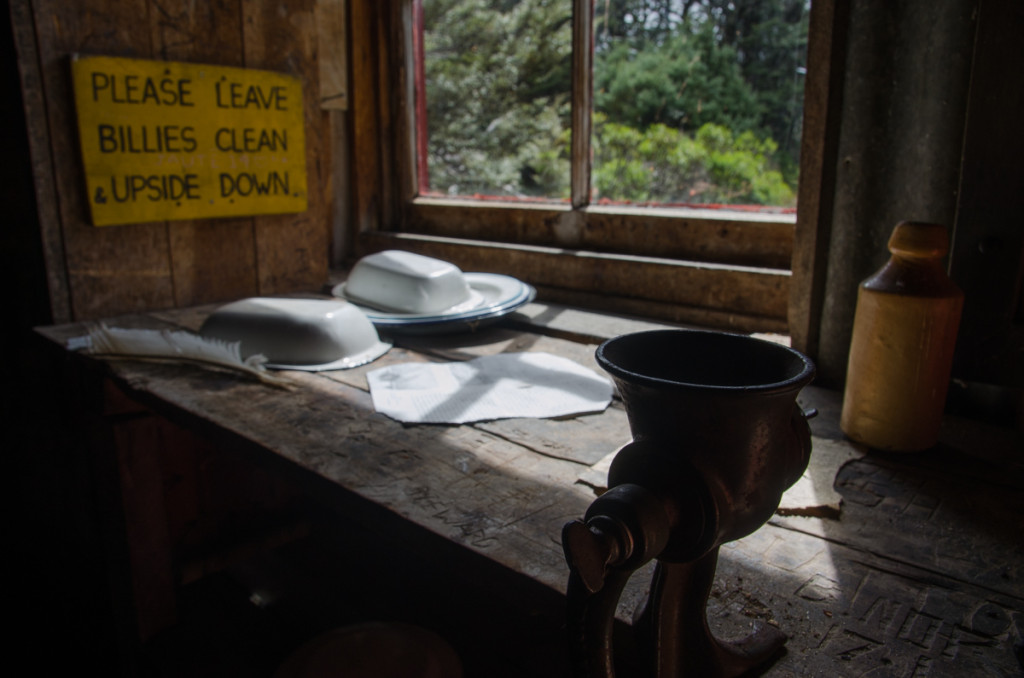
pixel 211 259
pixel 987 258
pixel 823 89
pixel 114 269
pixel 366 169
pixel 38 139
pixel 122 269
pixel 292 250
pixel 332 27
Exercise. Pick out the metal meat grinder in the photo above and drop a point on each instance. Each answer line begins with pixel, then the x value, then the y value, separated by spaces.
pixel 717 438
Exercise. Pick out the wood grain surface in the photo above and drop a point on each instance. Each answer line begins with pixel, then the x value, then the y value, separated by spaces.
pixel 920 574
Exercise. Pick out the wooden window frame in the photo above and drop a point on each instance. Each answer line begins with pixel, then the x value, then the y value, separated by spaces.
pixel 715 268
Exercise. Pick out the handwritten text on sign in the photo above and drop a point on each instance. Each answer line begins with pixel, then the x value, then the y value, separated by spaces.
pixel 168 140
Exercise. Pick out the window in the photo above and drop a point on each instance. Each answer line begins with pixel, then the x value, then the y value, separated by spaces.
pixel 705 265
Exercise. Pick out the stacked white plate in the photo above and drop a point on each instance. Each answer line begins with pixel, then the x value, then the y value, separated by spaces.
pixel 403 292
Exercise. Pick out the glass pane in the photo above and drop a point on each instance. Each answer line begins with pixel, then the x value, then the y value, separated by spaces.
pixel 497 78
pixel 698 102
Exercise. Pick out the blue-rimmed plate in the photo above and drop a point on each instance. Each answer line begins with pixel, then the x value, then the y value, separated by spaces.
pixel 495 296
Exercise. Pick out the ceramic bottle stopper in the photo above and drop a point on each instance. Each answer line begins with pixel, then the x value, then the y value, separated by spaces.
pixel 901 354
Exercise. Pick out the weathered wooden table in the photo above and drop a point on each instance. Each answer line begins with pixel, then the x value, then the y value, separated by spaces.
pixel 918 572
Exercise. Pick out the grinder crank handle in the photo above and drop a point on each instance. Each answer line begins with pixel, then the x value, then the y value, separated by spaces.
pixel 623 529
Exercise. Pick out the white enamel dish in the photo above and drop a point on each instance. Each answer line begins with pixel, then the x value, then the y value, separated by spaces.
pixel 405 282
pixel 312 335
pixel 493 296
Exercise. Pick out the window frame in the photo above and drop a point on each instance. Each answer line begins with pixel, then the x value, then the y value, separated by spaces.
pixel 715 268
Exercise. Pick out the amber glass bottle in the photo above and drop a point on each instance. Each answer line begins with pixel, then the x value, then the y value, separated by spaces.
pixel 901 353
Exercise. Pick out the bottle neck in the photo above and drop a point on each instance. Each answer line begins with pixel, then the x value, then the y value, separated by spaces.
pixel 913 276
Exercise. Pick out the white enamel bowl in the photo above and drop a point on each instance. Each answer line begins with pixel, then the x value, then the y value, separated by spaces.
pixel 298 334
pixel 406 282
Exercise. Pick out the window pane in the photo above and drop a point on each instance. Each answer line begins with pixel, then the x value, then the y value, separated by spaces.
pixel 497 85
pixel 698 101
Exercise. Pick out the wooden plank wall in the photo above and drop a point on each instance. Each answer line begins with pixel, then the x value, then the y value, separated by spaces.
pixel 97 272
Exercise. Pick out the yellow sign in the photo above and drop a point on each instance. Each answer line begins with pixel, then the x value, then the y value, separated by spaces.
pixel 167 140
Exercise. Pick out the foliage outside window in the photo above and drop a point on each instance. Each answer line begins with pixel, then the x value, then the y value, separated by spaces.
pixel 696 102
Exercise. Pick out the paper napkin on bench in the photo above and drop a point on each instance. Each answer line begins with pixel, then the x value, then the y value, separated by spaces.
pixel 503 386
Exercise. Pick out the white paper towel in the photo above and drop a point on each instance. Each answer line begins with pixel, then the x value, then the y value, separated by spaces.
pixel 493 387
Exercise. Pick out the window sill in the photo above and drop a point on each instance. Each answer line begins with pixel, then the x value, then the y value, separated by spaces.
pixel 729 236
pixel 731 297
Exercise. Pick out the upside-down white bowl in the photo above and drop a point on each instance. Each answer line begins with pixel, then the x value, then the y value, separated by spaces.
pixel 406 282
pixel 298 334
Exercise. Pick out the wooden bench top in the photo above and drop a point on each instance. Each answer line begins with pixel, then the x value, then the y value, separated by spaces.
pixel 920 569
